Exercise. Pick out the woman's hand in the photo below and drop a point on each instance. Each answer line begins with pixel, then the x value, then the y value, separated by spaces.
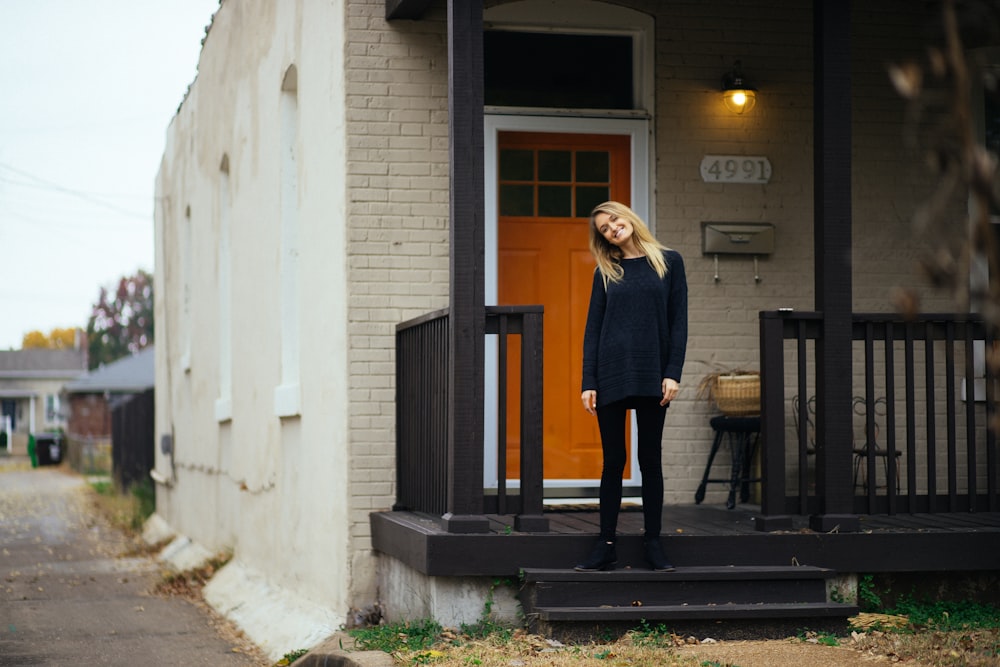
pixel 589 399
pixel 670 389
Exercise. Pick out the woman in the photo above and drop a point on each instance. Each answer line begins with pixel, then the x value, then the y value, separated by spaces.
pixel 633 352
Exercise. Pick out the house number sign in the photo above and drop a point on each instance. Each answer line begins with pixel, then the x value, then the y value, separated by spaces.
pixel 735 169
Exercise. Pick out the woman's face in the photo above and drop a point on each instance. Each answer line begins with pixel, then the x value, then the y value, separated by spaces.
pixel 617 231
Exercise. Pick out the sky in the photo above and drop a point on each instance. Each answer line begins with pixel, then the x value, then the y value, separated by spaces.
pixel 87 90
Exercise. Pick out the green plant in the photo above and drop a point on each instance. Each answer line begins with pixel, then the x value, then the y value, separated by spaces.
pixel 827 639
pixel 824 638
pixel 486 626
pixel 947 614
pixel 145 496
pixel 654 637
pixel 392 637
pixel 291 657
pixel 103 487
pixel 128 511
pixel 607 635
pixel 868 598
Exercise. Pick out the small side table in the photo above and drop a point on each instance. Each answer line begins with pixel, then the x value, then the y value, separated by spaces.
pixel 743 434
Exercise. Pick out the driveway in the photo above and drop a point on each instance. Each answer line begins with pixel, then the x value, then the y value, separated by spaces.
pixel 71 595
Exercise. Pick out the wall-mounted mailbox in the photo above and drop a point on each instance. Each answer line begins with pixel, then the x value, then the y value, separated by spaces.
pixel 739 238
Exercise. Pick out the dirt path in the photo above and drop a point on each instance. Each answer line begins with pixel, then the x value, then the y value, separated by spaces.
pixel 781 653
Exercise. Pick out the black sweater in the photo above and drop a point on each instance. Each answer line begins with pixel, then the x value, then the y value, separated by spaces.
pixel 636 331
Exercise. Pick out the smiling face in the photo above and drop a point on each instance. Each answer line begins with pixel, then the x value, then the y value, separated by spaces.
pixel 615 230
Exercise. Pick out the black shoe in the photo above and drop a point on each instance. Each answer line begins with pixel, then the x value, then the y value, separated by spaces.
pixel 654 554
pixel 603 557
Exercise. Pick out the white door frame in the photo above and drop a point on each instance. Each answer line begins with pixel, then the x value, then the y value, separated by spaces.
pixel 638 129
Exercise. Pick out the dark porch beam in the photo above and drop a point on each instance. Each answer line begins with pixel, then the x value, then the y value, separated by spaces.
pixel 833 284
pixel 467 301
pixel 405 9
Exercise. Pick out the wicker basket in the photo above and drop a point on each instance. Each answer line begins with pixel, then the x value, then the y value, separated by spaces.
pixel 737 395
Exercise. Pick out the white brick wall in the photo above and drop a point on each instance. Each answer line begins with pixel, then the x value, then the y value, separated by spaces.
pixel 398 229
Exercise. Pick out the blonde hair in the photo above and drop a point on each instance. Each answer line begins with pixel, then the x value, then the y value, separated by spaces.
pixel 608 256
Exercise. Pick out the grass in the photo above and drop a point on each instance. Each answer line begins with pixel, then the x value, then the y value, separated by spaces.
pixel 945 633
pixel 938 632
pixel 948 615
pixel 290 657
pixel 421 643
pixel 397 637
pixel 126 511
pixel 487 644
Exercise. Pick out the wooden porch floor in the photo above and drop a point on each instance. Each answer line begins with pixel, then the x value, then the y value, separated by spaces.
pixel 696 535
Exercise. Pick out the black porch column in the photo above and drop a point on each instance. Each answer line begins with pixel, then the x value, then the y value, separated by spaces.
pixel 833 283
pixel 467 319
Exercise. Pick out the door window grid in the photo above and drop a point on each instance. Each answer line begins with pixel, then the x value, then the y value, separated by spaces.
pixel 552 183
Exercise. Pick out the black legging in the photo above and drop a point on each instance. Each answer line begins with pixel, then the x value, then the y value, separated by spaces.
pixel 649 421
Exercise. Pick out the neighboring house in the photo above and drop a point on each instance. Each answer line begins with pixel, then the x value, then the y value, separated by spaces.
pixel 334 173
pixel 31 384
pixel 93 398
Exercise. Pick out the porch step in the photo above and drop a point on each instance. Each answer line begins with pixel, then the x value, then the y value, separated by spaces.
pixel 702 612
pixel 556 600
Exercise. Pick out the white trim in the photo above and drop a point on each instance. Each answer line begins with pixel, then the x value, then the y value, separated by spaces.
pixel 287 400
pixel 580 17
pixel 586 17
pixel 641 173
pixel 641 179
pixel 225 296
pixel 289 266
pixel 223 409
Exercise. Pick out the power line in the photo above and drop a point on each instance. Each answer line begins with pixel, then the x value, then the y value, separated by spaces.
pixel 71 221
pixel 116 195
pixel 55 187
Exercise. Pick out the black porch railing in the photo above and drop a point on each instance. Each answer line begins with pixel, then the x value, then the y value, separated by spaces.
pixel 422 473
pixel 924 404
pixel 422 413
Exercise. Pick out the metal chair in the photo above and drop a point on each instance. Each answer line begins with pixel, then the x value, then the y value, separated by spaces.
pixel 861 453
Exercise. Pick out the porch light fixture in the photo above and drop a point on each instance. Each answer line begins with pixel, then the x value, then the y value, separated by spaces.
pixel 736 94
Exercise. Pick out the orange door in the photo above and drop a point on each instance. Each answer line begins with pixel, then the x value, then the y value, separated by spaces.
pixel 548 184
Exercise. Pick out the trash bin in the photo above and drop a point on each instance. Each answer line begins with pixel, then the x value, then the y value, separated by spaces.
pixel 48 448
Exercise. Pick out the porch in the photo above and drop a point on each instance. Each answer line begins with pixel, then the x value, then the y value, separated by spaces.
pixel 936 509
pixel 731 580
pixel 695 536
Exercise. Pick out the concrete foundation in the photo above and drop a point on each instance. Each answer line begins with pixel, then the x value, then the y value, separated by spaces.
pixel 409 595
